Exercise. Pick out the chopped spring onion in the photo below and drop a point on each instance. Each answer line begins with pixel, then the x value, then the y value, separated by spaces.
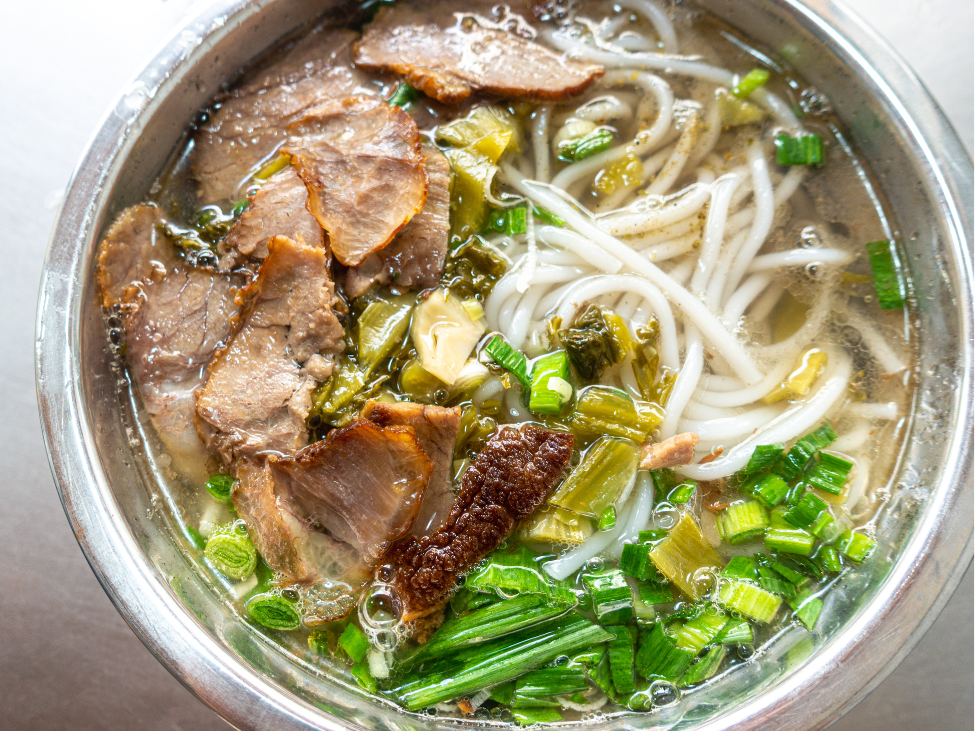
pixel 769 489
pixel 764 457
pixel 829 560
pixel 736 631
pixel 503 693
pixel 810 513
pixel 355 643
pixel 360 671
pixel 888 276
pixel 602 674
pixel 655 591
pixel 807 608
pixel 581 148
pixel 748 599
pixel 607 521
pixel 546 216
pixel 531 716
pixel 741 567
pixel 683 553
pixel 607 469
pixel 784 570
pixel 659 656
pixel 805 149
pixel 749 82
pixel 511 221
pixel 612 602
pixel 318 642
pixel 742 521
pixel 604 410
pixel 273 611
pixel 830 474
pixel 802 451
pixel 276 164
pixel 550 387
pixel 705 667
pixel 682 492
pixel 518 572
pixel 635 561
pixel 403 96
pixel 500 660
pixel 221 486
pixel 856 546
pixel 698 633
pixel 512 360
pixel 621 651
pixel 230 551
pixel 547 682
pixel 789 540
pixel 195 538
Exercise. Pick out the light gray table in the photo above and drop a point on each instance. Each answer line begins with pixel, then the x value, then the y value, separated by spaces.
pixel 67 660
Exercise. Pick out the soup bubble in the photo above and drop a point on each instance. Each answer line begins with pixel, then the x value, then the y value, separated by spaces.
pixel 663 694
pixel 665 516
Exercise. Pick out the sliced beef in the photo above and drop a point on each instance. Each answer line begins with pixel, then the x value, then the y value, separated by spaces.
pixel 436 428
pixel 511 477
pixel 362 163
pixel 251 122
pixel 363 483
pixel 449 54
pixel 673 452
pixel 415 258
pixel 293 548
pixel 276 209
pixel 259 390
pixel 175 317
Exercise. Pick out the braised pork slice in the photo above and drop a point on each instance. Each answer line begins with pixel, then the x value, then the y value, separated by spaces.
pixel 276 209
pixel 259 390
pixel 363 483
pixel 449 54
pixel 436 428
pixel 362 163
pixel 510 478
pixel 415 258
pixel 251 121
pixel 673 452
pixel 174 316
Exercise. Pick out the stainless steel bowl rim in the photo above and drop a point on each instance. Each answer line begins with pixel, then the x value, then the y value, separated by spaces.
pixel 826 686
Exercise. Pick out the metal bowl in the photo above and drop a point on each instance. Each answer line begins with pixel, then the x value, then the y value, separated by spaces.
pixel 925 527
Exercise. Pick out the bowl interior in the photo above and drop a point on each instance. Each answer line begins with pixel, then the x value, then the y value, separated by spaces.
pixel 119 512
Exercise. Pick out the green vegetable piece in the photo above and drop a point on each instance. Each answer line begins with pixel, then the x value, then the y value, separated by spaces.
pixel 888 274
pixel 764 457
pixel 808 513
pixel 503 693
pixel 789 540
pixel 360 671
pixel 380 328
pixel 807 608
pixel 806 149
pixel 742 521
pixel 705 667
pixel 802 452
pixel 659 656
pixel 830 474
pixel 829 560
pixel 472 270
pixel 355 643
pixel 546 216
pixel 337 392
pixel 589 659
pixel 531 716
pixel 273 611
pixel 516 221
pixel 612 602
pixel 602 675
pixel 682 554
pixel 635 561
pixel 682 492
pixel 856 546
pixel 749 82
pixel 735 112
pixel 514 361
pixel 607 467
pixel 652 536
pixel 748 599
pixel 736 631
pixel 596 339
pixel 195 538
pixel 655 592
pixel 698 633
pixel 741 567
pixel 221 486
pixel 230 551
pixel 500 660
pixel 607 520
pixel 547 682
pixel 318 642
pixel 622 650
pixel 581 148
pixel 519 572
pixel 767 488
pixel 551 389
pixel 403 96
pixel 602 410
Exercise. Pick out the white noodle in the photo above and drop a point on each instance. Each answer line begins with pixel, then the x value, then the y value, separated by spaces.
pixel 799 257
pixel 744 296
pixel 581 247
pixel 540 141
pixel 744 396
pixel 690 374
pixel 639 514
pixel 658 18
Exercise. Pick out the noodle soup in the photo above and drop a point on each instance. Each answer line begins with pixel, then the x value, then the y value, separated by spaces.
pixel 524 363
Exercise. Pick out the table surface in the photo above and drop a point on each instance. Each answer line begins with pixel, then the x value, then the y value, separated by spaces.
pixel 66 656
